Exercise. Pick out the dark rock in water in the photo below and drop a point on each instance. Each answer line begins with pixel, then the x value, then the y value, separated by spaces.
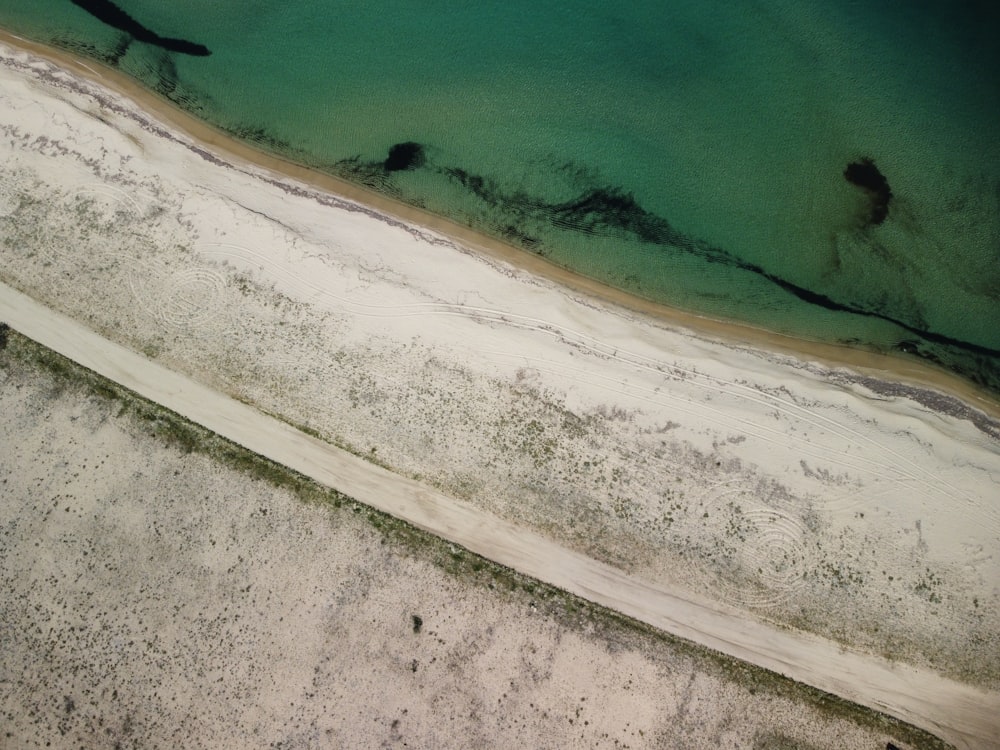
pixel 867 176
pixel 120 49
pixel 408 155
pixel 183 46
pixel 115 17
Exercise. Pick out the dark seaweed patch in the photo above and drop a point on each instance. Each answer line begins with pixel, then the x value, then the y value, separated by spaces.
pixel 109 13
pixel 262 137
pixel 159 72
pixel 518 237
pixel 915 349
pixel 372 174
pixel 827 303
pixel 475 184
pixel 166 77
pixel 867 176
pixel 607 209
pixel 110 57
pixel 407 155
pixel 612 211
pixel 119 50
pixel 598 210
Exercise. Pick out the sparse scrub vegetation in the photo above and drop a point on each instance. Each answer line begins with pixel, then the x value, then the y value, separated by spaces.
pixel 471 569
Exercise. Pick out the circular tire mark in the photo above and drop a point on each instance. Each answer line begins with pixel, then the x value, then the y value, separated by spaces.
pixel 769 565
pixel 109 206
pixel 190 298
pixel 181 300
pixel 87 226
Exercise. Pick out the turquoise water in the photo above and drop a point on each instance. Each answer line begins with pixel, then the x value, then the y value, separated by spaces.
pixel 690 152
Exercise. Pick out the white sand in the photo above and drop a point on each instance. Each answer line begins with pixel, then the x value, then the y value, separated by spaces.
pixel 748 482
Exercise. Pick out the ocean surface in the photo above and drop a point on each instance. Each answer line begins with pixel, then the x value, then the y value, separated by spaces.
pixel 829 170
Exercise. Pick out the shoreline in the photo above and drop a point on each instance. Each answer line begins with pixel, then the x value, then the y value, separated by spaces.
pixel 870 365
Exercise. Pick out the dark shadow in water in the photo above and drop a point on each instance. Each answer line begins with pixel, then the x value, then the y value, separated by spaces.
pixel 408 155
pixel 113 16
pixel 114 57
pixel 867 176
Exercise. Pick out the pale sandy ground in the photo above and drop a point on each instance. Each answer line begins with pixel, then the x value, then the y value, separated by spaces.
pixel 957 712
pixel 815 498
pixel 153 598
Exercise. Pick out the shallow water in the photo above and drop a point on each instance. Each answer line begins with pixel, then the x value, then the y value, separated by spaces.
pixel 693 153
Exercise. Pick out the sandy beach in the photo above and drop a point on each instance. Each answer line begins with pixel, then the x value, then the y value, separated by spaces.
pixel 842 497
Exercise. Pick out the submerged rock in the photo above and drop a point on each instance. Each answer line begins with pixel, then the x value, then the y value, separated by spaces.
pixel 408 155
pixel 867 176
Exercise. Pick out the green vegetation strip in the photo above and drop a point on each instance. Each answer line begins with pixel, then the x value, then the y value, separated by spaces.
pixel 567 609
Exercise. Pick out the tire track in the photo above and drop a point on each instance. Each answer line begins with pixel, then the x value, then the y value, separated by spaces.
pixel 183 300
pixel 920 479
pixel 190 298
pixel 704 413
pixel 770 562
pixel 110 205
